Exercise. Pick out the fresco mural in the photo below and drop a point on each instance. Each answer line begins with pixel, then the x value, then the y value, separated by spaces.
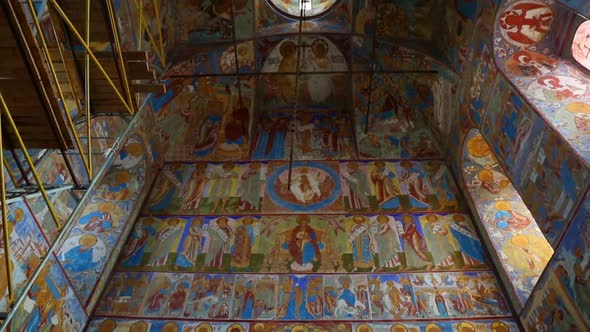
pixel 521 248
pixel 64 203
pixel 316 137
pixel 303 244
pixel 28 246
pixel 316 186
pixel 481 72
pixel 110 324
pixel 564 284
pixel 215 59
pixel 90 242
pixel 212 21
pixel 551 183
pixel 51 304
pixel 221 134
pixel 551 83
pixel 300 297
pixel 411 20
pixel 396 123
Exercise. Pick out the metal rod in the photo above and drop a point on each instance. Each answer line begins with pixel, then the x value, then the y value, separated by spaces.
pixel 87 93
pixel 234 40
pixel 30 161
pixel 72 28
pixel 7 167
pixel 56 79
pixel 372 74
pixel 140 31
pixel 118 51
pixel 342 72
pixel 6 235
pixel 24 173
pixel 298 73
pixel 160 37
pixel 70 168
pixel 62 57
pixel 37 194
pixel 151 37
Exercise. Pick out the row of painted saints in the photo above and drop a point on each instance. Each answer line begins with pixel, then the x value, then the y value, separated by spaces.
pixel 315 186
pixel 304 297
pixel 305 244
pixel 111 325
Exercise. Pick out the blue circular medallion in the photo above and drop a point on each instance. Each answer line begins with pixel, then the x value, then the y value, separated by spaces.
pixel 314 186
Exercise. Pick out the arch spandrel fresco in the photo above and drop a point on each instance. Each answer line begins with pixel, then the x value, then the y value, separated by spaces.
pixel 521 247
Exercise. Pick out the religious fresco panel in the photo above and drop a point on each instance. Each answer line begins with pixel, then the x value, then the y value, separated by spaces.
pixel 104 324
pixel 352 297
pixel 28 245
pixel 214 119
pixel 555 87
pixel 521 247
pixel 320 135
pixel 503 325
pixel 315 187
pixel 64 203
pixel 565 283
pixel 318 54
pixel 395 129
pixel 96 233
pixel 212 21
pixel 408 20
pixel 315 91
pixel 303 244
pixel 51 304
pixel 480 73
pixel 214 59
pixel 536 160
pixel 208 188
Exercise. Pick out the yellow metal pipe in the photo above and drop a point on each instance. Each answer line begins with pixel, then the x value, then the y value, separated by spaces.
pixel 58 87
pixel 9 171
pixel 140 38
pixel 151 37
pixel 140 31
pixel 63 15
pixel 30 161
pixel 6 234
pixel 161 38
pixel 119 51
pixel 87 94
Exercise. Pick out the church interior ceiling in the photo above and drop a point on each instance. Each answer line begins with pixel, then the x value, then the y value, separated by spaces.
pixel 424 150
